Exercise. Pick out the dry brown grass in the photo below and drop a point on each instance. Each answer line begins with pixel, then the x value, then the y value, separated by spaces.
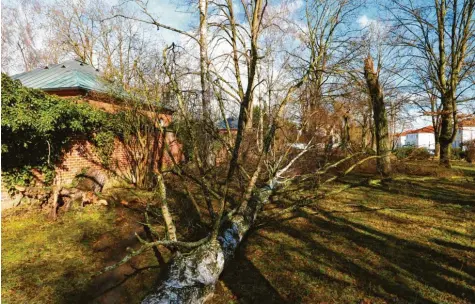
pixel 404 240
pixel 408 239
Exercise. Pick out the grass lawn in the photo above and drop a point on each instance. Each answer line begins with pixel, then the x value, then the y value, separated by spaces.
pixel 406 240
pixel 54 262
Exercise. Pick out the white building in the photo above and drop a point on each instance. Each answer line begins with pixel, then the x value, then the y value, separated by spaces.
pixel 465 133
pixel 420 138
pixel 401 140
pixel 425 138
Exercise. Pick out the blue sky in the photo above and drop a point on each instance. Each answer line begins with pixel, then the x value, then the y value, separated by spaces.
pixel 178 14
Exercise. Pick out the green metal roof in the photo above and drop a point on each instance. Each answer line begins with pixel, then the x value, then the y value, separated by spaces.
pixel 71 74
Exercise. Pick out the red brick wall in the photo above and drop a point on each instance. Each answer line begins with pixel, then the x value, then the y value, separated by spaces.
pixel 81 154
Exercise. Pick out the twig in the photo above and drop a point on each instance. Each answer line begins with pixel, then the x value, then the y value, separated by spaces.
pixel 148 245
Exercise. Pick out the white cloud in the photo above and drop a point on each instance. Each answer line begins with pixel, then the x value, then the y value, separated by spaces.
pixel 295 5
pixel 364 21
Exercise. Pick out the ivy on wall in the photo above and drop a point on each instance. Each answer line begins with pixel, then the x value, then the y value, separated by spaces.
pixel 37 128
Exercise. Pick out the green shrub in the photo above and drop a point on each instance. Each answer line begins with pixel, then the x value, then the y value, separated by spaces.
pixel 104 145
pixel 404 152
pixel 457 154
pixel 470 151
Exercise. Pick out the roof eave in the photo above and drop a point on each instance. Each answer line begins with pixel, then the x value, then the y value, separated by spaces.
pixel 64 89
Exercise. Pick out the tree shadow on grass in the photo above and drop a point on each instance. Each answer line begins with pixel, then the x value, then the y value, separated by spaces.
pixel 120 284
pixel 246 281
pixel 397 271
pixel 452 245
pixel 423 263
pixel 439 192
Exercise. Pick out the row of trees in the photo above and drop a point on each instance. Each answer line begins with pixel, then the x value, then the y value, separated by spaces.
pixel 423 53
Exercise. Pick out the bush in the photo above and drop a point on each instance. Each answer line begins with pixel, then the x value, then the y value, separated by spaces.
pixel 427 168
pixel 470 151
pixel 457 154
pixel 403 152
pixel 420 154
pixel 36 127
pixel 412 153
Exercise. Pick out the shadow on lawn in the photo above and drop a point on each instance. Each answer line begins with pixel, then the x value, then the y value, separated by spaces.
pixel 119 285
pixel 109 287
pixel 247 283
pixel 408 258
pixel 399 269
pixel 440 192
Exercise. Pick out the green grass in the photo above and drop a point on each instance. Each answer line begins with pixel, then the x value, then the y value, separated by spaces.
pixel 407 240
pixel 53 262
pixel 38 256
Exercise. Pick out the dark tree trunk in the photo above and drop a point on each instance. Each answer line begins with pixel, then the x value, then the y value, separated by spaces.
pixel 380 117
pixel 448 130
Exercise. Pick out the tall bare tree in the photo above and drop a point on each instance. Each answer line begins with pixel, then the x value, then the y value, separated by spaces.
pixel 191 276
pixel 24 37
pixel 76 28
pixel 328 37
pixel 442 35
pixel 379 115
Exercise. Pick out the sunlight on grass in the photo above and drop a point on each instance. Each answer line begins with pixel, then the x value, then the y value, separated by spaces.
pixel 53 262
pixel 43 261
pixel 404 240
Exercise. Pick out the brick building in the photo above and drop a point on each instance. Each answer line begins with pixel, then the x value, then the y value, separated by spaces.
pixel 73 79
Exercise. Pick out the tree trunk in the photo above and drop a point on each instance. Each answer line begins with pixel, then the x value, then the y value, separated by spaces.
pixel 380 118
pixel 346 134
pixel 192 276
pixel 364 133
pixel 447 130
pixel 204 65
pixel 445 155
pixel 437 148
pixel 167 217
pixel 206 154
pixel 373 137
pixel 250 113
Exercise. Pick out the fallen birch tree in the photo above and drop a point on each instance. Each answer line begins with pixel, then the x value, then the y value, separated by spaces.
pixel 196 266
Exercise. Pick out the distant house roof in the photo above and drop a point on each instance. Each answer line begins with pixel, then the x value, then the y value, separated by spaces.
pixel 232 122
pixel 71 74
pixel 469 122
pixel 428 129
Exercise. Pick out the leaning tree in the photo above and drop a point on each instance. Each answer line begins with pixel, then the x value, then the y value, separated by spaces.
pixel 196 265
